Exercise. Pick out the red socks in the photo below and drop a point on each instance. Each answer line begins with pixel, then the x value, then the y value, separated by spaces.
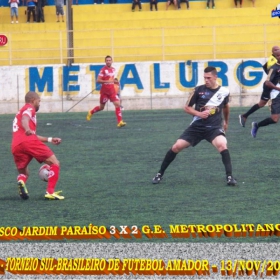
pixel 95 110
pixel 117 111
pixel 22 177
pixel 53 178
pixel 118 114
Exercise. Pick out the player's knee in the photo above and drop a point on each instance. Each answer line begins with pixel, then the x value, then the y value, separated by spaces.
pixel 176 148
pixel 275 118
pixel 117 104
pixel 221 146
pixel 262 103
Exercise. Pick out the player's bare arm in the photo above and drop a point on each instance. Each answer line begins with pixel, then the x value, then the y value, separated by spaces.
pixel 53 140
pixel 101 81
pixel 190 110
pixel 25 124
pixel 226 116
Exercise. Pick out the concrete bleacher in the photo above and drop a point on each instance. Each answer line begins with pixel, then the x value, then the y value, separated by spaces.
pixel 139 36
pixel 187 34
pixel 32 43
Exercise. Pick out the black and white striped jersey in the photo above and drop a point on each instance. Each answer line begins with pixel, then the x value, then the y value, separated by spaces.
pixel 274 77
pixel 204 98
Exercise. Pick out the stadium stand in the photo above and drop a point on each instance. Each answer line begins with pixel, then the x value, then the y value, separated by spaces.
pixel 224 32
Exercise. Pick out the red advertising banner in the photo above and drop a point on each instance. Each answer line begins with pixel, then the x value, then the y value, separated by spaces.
pixel 3 40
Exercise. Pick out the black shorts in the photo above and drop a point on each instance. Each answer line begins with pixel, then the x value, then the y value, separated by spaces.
pixel 275 106
pixel 197 132
pixel 266 93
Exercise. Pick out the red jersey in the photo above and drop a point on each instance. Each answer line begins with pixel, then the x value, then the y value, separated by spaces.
pixel 107 73
pixel 19 135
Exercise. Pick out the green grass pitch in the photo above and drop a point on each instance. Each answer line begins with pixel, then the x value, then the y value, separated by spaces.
pixel 106 175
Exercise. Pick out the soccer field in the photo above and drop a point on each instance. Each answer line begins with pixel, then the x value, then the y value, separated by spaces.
pixel 106 175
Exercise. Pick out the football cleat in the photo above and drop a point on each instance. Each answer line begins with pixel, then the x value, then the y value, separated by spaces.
pixel 89 115
pixel 121 124
pixel 231 181
pixel 254 129
pixel 54 196
pixel 242 120
pixel 157 178
pixel 22 190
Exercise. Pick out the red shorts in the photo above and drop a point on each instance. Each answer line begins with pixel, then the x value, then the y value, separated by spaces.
pixel 105 97
pixel 26 151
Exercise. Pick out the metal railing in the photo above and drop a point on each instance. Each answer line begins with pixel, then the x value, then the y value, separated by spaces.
pixel 158 44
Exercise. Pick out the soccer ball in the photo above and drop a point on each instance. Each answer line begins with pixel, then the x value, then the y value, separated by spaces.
pixel 44 172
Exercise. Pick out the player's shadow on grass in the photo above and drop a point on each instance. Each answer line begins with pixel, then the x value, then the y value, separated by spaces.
pixel 11 197
pixel 16 198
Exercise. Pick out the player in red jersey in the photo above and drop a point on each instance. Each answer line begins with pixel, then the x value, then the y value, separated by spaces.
pixel 118 91
pixel 107 92
pixel 26 145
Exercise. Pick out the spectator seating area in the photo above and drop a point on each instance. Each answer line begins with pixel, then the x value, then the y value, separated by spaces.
pixel 198 33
